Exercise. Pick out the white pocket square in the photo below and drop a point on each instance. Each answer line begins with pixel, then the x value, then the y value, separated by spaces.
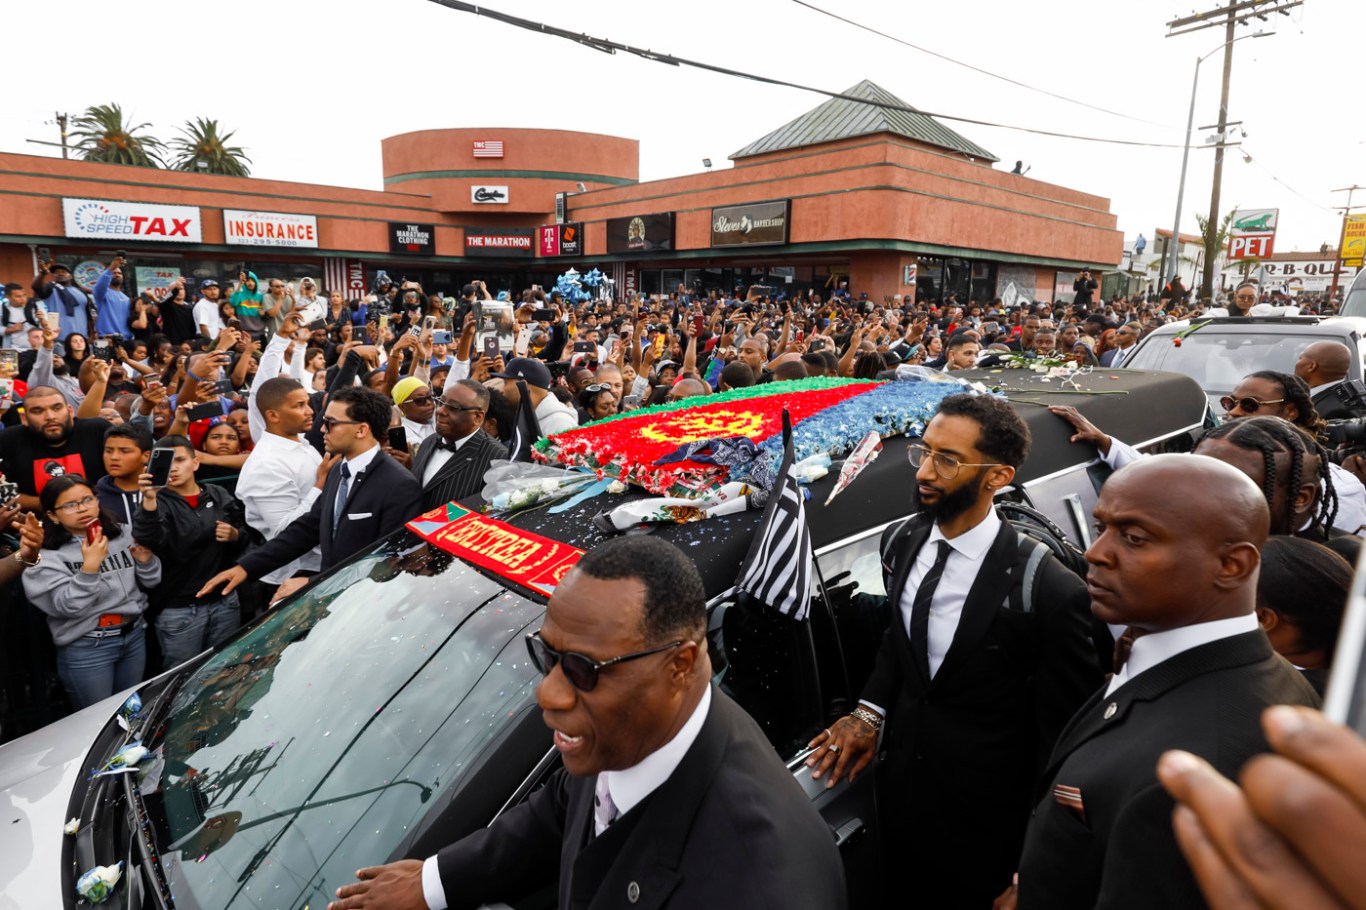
pixel 357 515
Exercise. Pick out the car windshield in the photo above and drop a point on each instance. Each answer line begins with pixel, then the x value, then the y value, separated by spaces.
pixel 316 742
pixel 1217 359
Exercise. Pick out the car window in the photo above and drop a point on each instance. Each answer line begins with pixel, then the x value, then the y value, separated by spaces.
pixel 857 594
pixel 767 663
pixel 1218 359
pixel 310 745
pixel 1355 302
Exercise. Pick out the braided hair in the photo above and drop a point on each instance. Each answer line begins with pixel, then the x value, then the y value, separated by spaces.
pixel 1296 391
pixel 1274 436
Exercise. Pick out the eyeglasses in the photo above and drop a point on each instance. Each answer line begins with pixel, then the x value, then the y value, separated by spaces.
pixel 946 466
pixel 1247 405
pixel 580 669
pixel 598 387
pixel 420 399
pixel 452 406
pixel 330 423
pixel 75 505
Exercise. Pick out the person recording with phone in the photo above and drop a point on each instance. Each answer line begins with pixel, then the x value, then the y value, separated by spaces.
pixel 196 531
pixel 90 578
pixel 56 288
pixel 111 302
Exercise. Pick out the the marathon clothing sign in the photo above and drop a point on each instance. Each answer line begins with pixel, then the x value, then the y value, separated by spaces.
pixel 103 219
pixel 501 242
pixel 489 195
pixel 754 224
pixel 270 229
pixel 411 238
pixel 641 233
pixel 559 240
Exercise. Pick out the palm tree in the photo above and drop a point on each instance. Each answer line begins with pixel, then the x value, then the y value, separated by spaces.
pixel 1214 239
pixel 102 135
pixel 204 150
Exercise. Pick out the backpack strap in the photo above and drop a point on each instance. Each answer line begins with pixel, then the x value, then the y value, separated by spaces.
pixel 1027 573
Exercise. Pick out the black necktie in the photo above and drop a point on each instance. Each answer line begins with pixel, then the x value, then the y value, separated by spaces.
pixel 920 608
pixel 343 489
pixel 447 444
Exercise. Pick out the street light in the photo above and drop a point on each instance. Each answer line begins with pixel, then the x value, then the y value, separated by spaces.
pixel 1174 245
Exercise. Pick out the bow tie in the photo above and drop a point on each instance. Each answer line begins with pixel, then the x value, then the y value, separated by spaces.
pixel 447 444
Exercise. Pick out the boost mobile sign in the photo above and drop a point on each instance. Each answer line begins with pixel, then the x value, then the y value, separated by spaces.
pixel 104 219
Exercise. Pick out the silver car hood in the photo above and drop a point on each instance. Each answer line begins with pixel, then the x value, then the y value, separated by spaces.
pixel 37 775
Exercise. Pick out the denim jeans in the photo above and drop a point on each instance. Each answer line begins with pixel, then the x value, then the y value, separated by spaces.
pixel 92 669
pixel 184 632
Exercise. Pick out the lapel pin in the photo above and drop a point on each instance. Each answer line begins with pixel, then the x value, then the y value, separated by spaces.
pixel 1110 710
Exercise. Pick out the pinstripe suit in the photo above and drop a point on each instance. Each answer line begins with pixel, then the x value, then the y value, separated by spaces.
pixel 463 473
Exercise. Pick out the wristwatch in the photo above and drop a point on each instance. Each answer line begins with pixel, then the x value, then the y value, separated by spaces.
pixel 19 558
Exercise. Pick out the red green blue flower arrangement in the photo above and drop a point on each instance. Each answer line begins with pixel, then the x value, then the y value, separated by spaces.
pixel 829 416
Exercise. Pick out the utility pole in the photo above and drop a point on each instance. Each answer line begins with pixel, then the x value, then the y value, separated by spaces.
pixel 1342 238
pixel 61 121
pixel 1230 16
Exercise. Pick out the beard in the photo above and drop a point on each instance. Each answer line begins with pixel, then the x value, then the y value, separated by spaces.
pixel 954 504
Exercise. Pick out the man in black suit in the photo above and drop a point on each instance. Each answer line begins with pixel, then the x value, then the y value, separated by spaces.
pixel 1197 678
pixel 1323 366
pixel 450 464
pixel 670 795
pixel 367 494
pixel 974 687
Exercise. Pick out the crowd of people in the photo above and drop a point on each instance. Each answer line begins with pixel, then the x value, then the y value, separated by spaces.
pixel 179 465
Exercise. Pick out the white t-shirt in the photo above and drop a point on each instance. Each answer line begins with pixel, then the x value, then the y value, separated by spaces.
pixel 205 314
pixel 19 340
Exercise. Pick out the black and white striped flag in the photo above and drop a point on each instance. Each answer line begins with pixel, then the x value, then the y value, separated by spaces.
pixel 778 571
pixel 526 429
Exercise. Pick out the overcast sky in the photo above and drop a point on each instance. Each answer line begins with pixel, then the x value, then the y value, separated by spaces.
pixel 312 87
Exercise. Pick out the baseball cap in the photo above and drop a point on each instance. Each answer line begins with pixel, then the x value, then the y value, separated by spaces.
pixel 59 265
pixel 404 389
pixel 528 369
pixel 208 283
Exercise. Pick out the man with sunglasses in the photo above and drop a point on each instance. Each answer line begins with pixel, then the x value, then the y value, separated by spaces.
pixel 367 495
pixel 451 464
pixel 973 687
pixel 670 795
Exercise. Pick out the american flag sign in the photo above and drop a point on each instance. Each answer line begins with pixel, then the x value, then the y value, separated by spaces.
pixel 488 148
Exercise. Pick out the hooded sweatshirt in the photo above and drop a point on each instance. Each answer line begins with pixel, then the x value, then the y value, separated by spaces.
pixel 122 504
pixel 247 301
pixel 74 600
pixel 183 538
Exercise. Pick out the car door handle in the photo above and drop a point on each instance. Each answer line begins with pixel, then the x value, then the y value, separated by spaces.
pixel 846 832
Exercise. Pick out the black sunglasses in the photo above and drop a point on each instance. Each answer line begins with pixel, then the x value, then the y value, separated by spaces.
pixel 580 669
pixel 1247 404
pixel 452 406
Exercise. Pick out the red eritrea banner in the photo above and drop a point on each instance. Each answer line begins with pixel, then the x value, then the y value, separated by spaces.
pixel 527 559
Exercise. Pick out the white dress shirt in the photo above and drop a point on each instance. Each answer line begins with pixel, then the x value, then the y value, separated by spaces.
pixel 627 788
pixel 441 456
pixel 418 433
pixel 273 364
pixel 278 483
pixel 966 552
pixel 1155 647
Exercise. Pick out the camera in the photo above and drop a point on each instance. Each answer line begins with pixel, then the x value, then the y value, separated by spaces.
pixel 1349 432
pixel 1352 394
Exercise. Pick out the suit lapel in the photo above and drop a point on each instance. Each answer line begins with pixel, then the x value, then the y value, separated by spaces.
pixel 908 550
pixel 1102 713
pixel 989 591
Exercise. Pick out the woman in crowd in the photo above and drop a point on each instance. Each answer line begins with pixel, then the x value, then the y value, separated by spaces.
pixel 220 454
pixel 77 352
pixel 337 311
pixel 1301 597
pixel 596 402
pixel 90 580
pixel 238 416
pixel 142 318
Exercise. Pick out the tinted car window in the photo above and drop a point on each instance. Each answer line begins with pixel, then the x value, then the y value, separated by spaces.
pixel 312 744
pixel 1218 359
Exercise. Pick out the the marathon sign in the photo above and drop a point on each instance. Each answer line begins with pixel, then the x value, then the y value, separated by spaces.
pixel 754 224
pixel 489 195
pixel 1251 233
pixel 499 243
pixel 411 238
pixel 270 229
pixel 103 219
pixel 642 233
pixel 559 240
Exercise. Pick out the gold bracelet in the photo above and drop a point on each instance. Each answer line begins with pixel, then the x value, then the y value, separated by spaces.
pixel 871 718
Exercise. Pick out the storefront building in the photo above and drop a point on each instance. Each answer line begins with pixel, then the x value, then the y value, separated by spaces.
pixel 889 201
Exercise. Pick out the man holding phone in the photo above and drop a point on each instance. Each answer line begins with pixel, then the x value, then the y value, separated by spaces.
pixel 196 531
pixel 111 303
pixel 56 287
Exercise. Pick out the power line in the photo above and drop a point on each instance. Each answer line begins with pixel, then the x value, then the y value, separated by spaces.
pixel 611 47
pixel 1251 160
pixel 978 69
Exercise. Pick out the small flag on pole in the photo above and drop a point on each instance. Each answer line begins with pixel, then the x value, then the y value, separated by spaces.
pixel 778 570
pixel 526 429
pixel 488 148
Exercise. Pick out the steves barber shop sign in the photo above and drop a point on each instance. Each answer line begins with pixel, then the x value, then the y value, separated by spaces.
pixel 104 219
pixel 753 224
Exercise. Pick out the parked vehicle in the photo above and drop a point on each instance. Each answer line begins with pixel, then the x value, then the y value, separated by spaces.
pixel 388 708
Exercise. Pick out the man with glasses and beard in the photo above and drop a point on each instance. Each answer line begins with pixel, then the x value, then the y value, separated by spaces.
pixel 451 463
pixel 51 442
pixel 973 687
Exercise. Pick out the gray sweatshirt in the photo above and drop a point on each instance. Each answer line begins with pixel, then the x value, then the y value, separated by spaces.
pixel 74 600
